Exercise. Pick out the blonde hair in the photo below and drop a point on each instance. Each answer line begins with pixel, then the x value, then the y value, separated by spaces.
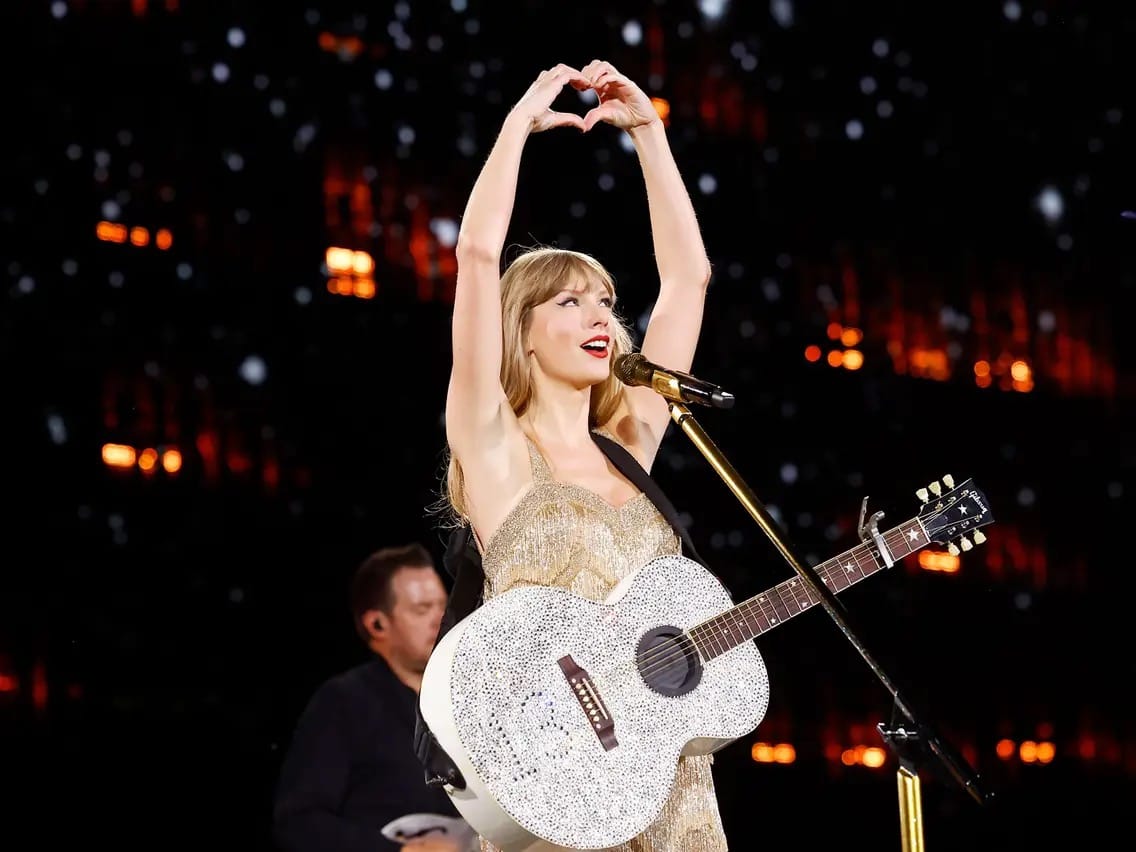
pixel 534 277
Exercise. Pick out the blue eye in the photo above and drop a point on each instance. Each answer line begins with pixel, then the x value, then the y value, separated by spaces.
pixel 570 300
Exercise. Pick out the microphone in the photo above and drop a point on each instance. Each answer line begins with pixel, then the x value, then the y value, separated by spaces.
pixel 637 371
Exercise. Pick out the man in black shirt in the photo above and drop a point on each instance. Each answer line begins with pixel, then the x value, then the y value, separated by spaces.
pixel 350 768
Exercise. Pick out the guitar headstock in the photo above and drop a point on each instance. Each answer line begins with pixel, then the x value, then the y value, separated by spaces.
pixel 952 514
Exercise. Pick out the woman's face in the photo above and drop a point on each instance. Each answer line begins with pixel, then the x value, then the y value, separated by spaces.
pixel 568 339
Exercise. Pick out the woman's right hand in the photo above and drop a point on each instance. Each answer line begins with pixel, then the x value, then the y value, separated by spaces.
pixel 535 105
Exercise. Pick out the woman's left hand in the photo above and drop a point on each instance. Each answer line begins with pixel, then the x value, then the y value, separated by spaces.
pixel 622 103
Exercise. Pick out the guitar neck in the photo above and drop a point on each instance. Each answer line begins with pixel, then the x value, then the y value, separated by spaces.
pixel 791 597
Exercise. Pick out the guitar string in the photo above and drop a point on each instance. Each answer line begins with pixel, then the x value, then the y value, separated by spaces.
pixel 661 658
pixel 674 652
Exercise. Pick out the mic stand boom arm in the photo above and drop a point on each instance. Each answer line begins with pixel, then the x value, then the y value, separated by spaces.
pixel 954 764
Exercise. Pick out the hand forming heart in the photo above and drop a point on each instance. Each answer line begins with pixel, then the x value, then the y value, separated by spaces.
pixel 622 104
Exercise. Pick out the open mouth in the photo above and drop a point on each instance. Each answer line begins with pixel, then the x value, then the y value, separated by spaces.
pixel 597 347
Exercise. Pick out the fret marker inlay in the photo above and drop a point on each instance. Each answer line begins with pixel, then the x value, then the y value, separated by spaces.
pixel 773 607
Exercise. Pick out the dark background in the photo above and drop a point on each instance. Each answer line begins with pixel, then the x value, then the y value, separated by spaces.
pixel 951 179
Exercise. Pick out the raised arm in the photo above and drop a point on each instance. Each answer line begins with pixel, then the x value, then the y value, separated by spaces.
pixel 475 401
pixel 680 256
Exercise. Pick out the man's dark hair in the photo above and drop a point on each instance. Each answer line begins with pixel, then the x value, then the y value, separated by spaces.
pixel 371 585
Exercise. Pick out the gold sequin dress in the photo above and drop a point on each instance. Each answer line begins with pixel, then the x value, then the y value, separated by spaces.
pixel 568 536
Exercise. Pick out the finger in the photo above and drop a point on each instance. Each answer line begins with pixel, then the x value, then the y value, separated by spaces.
pixel 566 72
pixel 564 119
pixel 604 112
pixel 579 82
pixel 597 67
pixel 560 68
pixel 607 76
pixel 554 76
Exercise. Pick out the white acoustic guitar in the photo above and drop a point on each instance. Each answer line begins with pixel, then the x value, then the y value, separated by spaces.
pixel 567 717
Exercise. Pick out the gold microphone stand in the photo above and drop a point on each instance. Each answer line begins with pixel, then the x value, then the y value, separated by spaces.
pixel 910 810
pixel 900 739
pixel 906 747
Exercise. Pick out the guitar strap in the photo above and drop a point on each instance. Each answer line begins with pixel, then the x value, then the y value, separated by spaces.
pixel 462 561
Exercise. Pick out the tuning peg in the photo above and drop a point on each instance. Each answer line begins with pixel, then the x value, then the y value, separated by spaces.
pixel 948 481
pixel 936 489
pixel 952 548
pixel 964 543
pixel 922 494
pixel 979 537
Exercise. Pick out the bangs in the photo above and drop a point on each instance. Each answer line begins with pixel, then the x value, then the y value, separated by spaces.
pixel 557 270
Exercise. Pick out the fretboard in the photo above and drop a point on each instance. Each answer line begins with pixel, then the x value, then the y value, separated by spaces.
pixel 765 611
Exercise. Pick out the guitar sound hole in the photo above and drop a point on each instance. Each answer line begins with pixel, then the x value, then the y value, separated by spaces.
pixel 668 661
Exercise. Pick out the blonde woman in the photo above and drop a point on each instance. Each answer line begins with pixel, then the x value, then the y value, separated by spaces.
pixel 532 381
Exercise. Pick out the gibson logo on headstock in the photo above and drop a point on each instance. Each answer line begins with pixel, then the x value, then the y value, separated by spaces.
pixel 977 498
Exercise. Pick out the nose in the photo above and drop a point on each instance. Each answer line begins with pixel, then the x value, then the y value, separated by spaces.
pixel 598 317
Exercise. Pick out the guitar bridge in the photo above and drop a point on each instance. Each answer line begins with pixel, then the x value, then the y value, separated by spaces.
pixel 590 702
